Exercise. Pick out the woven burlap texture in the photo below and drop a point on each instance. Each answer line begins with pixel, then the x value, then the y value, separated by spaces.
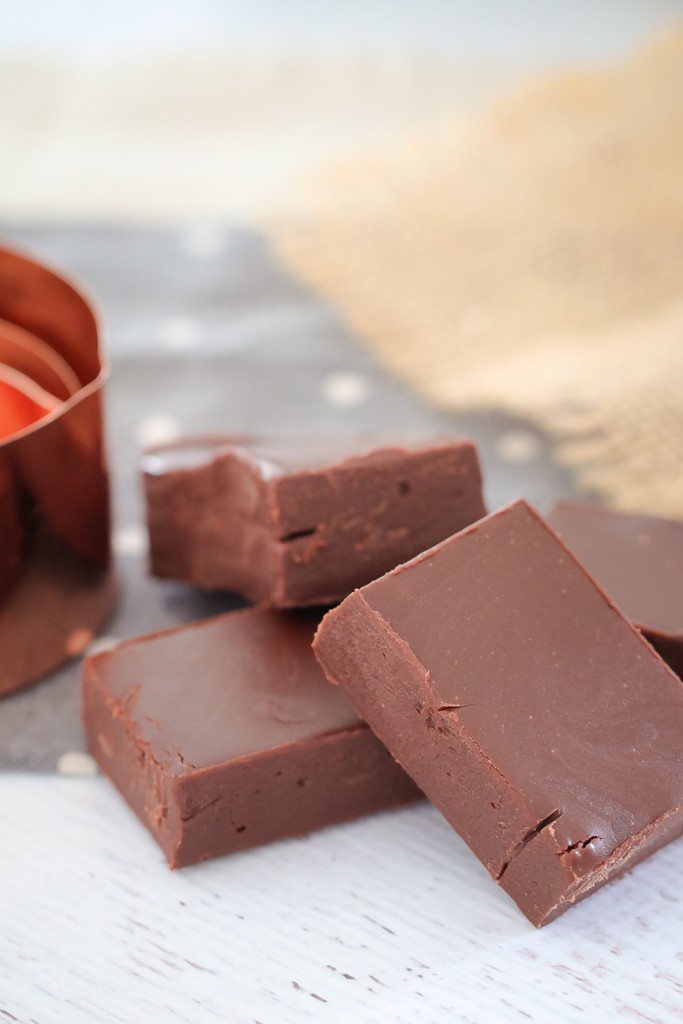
pixel 530 260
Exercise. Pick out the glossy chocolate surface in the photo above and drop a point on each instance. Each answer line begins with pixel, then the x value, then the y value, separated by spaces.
pixel 298 523
pixel 276 457
pixel 525 705
pixel 235 716
pixel 225 688
pixel 638 559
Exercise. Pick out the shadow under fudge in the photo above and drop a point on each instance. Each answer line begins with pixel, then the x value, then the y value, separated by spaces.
pixel 523 703
pixel 223 735
pixel 292 524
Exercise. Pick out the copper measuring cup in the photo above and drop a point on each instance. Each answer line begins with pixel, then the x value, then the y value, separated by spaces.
pixel 56 580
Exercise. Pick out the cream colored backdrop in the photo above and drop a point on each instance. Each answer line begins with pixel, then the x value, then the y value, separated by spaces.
pixel 530 258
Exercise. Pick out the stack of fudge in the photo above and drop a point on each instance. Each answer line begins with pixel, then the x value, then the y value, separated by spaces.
pixel 401 642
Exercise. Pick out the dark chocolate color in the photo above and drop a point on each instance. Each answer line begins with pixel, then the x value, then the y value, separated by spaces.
pixel 524 704
pixel 638 559
pixel 224 734
pixel 302 523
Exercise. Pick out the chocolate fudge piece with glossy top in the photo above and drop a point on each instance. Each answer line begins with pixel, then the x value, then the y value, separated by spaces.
pixel 522 702
pixel 638 559
pixel 296 523
pixel 225 734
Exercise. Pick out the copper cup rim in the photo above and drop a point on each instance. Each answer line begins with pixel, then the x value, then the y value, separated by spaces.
pixel 82 294
pixel 38 351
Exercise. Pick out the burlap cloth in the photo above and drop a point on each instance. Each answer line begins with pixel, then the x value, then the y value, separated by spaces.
pixel 531 260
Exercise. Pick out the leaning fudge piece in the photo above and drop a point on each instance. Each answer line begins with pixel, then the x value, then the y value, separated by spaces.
pixel 225 734
pixel 290 524
pixel 638 559
pixel 522 702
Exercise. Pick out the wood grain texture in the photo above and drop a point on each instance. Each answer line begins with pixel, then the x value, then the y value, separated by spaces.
pixel 387 920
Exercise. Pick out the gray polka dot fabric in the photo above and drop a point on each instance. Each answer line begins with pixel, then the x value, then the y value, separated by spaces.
pixel 207 333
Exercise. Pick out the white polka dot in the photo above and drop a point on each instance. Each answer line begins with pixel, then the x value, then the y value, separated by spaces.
pixel 130 540
pixel 180 333
pixel 102 644
pixel 518 446
pixel 76 762
pixel 345 389
pixel 203 240
pixel 77 640
pixel 157 429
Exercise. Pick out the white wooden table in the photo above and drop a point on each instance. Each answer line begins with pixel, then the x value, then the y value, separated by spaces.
pixel 387 920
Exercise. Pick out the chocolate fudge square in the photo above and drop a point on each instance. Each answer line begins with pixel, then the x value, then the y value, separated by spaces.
pixel 298 523
pixel 528 709
pixel 224 734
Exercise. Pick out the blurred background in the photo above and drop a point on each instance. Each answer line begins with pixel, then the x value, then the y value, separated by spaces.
pixel 181 109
